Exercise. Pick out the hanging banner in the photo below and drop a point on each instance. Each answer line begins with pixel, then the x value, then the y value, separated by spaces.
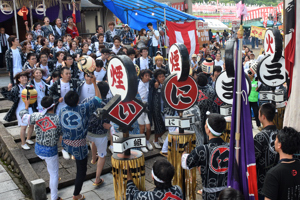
pixel 257 32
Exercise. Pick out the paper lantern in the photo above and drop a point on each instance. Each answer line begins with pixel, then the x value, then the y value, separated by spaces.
pixel 208 66
pixel 30 93
pixel 137 69
pixel 86 64
pixel 23 12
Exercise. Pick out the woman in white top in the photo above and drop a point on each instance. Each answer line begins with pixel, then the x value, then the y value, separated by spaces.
pixel 142 39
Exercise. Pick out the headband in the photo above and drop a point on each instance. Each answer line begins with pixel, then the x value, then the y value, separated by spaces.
pixel 215 133
pixel 46 109
pixel 156 178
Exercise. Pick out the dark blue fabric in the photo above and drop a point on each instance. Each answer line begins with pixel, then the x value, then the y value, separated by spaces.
pixel 5 17
pixel 144 16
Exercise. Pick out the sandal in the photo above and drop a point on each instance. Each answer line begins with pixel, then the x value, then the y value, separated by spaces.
pixel 164 154
pixel 58 198
pixel 93 163
pixel 82 197
pixel 97 184
pixel 199 192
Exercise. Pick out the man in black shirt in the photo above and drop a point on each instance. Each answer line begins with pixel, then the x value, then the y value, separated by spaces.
pixel 283 180
pixel 265 155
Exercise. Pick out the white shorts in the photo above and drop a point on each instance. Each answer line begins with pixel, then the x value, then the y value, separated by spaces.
pixel 20 123
pixel 101 144
pixel 143 119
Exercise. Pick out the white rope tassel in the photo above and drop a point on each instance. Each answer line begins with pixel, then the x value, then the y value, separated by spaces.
pixel 244 95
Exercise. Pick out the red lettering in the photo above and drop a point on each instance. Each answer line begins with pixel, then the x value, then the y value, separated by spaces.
pixel 174 61
pixel 269 42
pixel 117 76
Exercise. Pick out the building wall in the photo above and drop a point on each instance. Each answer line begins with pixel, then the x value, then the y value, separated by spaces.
pixel 189 2
pixel 90 24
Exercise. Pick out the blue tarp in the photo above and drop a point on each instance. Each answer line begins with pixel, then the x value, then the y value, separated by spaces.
pixel 141 12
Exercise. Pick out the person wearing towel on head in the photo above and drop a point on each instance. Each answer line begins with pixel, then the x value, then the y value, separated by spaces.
pixel 212 158
pixel 162 174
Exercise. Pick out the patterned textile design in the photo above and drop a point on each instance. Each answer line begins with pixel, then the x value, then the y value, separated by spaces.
pixel 45 151
pixel 12 95
pixel 194 110
pixel 74 122
pixel 9 62
pixel 132 193
pixel 265 155
pixel 129 37
pixel 109 37
pixel 62 29
pixel 213 159
pixel 150 63
pixel 47 30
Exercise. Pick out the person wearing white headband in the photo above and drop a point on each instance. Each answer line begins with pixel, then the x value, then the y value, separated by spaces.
pixel 211 158
pixel 162 174
pixel 48 130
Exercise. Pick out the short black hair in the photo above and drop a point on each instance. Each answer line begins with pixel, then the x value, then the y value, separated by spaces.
pixel 47 101
pixel 11 39
pixel 71 98
pixel 35 25
pixel 67 55
pixel 231 194
pixel 58 53
pixel 202 80
pixel 143 48
pixel 104 88
pixel 145 71
pixel 63 69
pixel 165 171
pixel 105 50
pixel 29 55
pixel 43 41
pixel 217 122
pixel 41 54
pixel 149 24
pixel 55 74
pixel 45 18
pixel 158 72
pixel 100 26
pixel 99 63
pixel 56 42
pixel 99 34
pixel 121 53
pixel 289 139
pixel 116 38
pixel 268 110
pixel 130 51
pixel 217 69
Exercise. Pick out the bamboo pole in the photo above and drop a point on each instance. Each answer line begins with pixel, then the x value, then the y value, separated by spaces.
pixel 16 20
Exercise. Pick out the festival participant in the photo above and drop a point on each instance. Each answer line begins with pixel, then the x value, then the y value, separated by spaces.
pixel 127 37
pixel 40 86
pixel 283 180
pixel 217 36
pixel 143 120
pixel 74 132
pixel 100 41
pixel 231 194
pixel 68 62
pixel 74 50
pixel 29 39
pixel 209 158
pixel 86 88
pixel 105 53
pixel 265 155
pixel 159 64
pixel 212 79
pixel 37 30
pixel 47 28
pixel 194 63
pixel 31 62
pixel 117 45
pixel 4 45
pixel 142 39
pixel 26 49
pixel 100 72
pixel 54 77
pixel 58 48
pixel 14 94
pixel 51 38
pixel 46 65
pixel 46 140
pixel 97 134
pixel 98 52
pixel 71 28
pixel 111 32
pixel 253 97
pixel 95 38
pixel 131 54
pixel 157 107
pixel 85 49
pixel 38 43
pixel 59 60
pixel 219 62
pixel 155 39
pixel 13 58
pixel 144 62
pixel 67 39
pixel 205 102
pixel 44 44
pixel 59 29
pixel 162 174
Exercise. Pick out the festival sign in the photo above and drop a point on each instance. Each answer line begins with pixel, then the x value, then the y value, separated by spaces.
pixel 230 57
pixel 224 87
pixel 179 62
pixel 257 32
pixel 180 95
pixel 121 78
pixel 273 44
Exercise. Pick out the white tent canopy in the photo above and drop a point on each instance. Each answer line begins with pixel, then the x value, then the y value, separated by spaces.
pixel 215 24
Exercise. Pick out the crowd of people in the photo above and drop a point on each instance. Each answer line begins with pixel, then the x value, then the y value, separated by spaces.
pixel 67 98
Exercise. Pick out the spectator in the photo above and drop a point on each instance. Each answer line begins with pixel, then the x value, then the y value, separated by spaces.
pixel 111 33
pixel 154 42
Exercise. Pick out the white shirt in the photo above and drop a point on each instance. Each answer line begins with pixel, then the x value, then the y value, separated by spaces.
pixel 100 75
pixel 46 70
pixel 87 90
pixel 64 89
pixel 51 44
pixel 260 57
pixel 154 40
pixel 144 63
pixel 40 88
pixel 217 38
pixel 219 63
pixel 58 30
pixel 115 50
pixel 246 66
pixel 193 64
pixel 143 90
pixel 17 61
pixel 58 64
pixel 98 54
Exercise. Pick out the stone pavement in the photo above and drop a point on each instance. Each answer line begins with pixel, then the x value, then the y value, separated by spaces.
pixel 8 188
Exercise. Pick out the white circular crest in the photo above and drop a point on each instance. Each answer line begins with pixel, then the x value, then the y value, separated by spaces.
pixel 6 9
pixel 269 43
pixel 117 78
pixel 175 63
pixel 40 9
